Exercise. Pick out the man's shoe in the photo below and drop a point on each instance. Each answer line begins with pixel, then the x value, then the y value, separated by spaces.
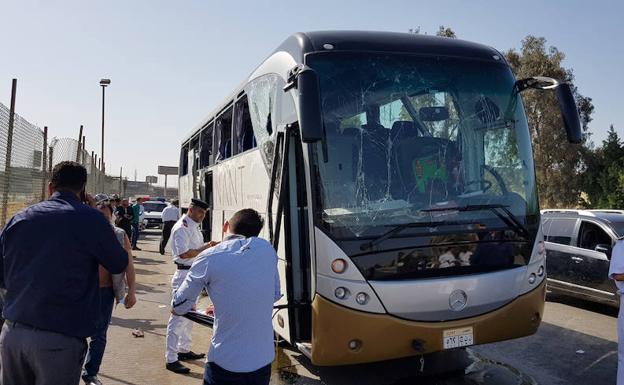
pixel 91 380
pixel 136 248
pixel 190 356
pixel 177 367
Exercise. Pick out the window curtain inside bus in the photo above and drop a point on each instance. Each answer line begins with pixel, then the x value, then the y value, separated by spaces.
pixel 240 129
pixel 219 141
pixel 245 139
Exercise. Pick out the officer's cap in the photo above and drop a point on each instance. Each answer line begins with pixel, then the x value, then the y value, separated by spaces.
pixel 199 203
pixel 101 198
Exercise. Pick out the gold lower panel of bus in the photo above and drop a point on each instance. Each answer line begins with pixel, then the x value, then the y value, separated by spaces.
pixel 385 337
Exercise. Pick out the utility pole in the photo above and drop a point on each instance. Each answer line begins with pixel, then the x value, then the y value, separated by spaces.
pixel 104 83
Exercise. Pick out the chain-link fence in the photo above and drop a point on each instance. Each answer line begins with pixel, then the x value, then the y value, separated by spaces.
pixel 21 164
pixel 27 159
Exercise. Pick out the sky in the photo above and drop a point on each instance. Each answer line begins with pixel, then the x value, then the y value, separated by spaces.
pixel 172 62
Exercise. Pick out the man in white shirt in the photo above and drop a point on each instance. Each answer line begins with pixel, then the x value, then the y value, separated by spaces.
pixel 169 216
pixel 616 272
pixel 187 242
pixel 240 275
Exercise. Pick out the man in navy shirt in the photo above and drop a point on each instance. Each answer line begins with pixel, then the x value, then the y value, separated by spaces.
pixel 49 257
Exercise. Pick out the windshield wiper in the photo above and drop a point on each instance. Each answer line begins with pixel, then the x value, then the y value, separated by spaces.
pixel 501 211
pixel 398 228
pixel 508 218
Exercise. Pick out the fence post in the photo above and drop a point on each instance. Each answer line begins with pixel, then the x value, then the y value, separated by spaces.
pixel 79 145
pixel 50 165
pixel 92 189
pixel 44 168
pixel 82 151
pixel 7 165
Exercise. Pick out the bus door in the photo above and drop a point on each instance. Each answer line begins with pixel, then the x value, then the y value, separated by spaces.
pixel 207 196
pixel 294 317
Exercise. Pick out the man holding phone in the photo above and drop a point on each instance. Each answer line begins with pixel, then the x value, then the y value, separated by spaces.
pixel 51 281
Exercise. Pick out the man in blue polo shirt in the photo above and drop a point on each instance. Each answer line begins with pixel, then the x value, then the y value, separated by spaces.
pixel 49 257
pixel 240 275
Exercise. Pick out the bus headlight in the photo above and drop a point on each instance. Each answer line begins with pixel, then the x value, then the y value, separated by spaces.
pixel 532 278
pixel 361 298
pixel 341 292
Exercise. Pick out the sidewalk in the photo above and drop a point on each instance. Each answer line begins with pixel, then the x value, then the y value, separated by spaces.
pixel 138 361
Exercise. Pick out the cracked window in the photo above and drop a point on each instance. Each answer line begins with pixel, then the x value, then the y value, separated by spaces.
pixel 262 93
pixel 408 133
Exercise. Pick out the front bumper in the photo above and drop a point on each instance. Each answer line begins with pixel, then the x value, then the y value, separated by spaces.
pixel 384 337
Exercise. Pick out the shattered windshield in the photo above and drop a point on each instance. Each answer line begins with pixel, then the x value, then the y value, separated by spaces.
pixel 405 134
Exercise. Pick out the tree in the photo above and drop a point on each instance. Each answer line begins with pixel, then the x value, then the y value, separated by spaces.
pixel 557 162
pixel 603 173
pixel 446 32
pixel 442 32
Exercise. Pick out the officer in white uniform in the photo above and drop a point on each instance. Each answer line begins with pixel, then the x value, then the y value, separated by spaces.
pixel 616 272
pixel 187 242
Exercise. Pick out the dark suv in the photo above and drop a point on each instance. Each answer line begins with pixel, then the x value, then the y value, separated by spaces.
pixel 578 252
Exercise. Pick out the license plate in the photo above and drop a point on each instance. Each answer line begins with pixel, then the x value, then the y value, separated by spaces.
pixel 456 338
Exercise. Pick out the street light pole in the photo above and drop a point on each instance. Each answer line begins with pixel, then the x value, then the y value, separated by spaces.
pixel 103 83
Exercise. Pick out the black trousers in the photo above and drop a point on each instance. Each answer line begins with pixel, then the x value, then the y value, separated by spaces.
pixel 166 233
pixel 216 375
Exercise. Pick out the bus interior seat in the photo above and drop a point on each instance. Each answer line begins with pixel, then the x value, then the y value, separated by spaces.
pixel 342 166
pixel 374 147
pixel 403 129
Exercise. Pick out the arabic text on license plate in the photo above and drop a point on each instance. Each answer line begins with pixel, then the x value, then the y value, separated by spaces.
pixel 456 338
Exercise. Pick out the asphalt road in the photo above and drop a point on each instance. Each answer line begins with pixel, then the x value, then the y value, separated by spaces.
pixel 576 344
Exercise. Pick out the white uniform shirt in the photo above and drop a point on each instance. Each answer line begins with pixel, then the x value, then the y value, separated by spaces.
pixel 185 236
pixel 617 263
pixel 170 213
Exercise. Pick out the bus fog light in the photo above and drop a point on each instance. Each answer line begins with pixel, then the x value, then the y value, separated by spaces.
pixel 339 266
pixel 540 271
pixel 341 293
pixel 355 344
pixel 361 298
pixel 532 278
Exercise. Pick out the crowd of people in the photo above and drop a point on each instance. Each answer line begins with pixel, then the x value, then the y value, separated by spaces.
pixel 58 289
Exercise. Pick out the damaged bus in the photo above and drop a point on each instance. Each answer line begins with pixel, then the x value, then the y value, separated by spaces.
pixel 396 176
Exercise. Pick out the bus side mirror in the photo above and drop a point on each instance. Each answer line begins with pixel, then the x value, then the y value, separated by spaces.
pixel 310 114
pixel 569 113
pixel 565 98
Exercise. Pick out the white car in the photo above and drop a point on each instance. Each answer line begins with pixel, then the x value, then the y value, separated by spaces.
pixel 152 212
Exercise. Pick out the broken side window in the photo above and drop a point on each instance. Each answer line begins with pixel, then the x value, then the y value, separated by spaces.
pixel 243 127
pixel 223 140
pixel 205 157
pixel 261 94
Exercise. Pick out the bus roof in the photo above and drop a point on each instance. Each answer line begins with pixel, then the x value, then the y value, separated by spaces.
pixel 302 43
